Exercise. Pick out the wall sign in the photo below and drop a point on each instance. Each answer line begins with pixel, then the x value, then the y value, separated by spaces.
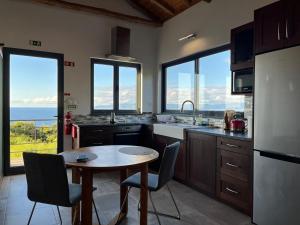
pixel 69 63
pixel 35 43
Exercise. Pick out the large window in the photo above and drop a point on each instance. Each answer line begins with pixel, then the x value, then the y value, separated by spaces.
pixel 116 86
pixel 205 79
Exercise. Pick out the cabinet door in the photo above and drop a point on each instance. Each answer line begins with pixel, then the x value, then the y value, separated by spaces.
pixel 202 162
pixel 292 22
pixel 269 27
pixel 180 167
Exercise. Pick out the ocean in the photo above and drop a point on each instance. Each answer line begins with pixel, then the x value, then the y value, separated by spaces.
pixel 46 114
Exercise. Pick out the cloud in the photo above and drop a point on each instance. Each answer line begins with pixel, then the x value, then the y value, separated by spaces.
pixel 38 101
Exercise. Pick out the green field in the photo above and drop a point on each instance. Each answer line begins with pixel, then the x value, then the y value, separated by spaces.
pixel 27 137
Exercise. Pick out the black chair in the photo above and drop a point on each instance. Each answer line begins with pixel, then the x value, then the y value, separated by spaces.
pixel 157 181
pixel 47 182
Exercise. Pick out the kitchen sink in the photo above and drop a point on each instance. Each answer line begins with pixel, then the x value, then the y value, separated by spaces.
pixel 174 130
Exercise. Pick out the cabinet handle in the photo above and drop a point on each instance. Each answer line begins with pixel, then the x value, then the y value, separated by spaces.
pixel 232 165
pixel 97 143
pixel 278 32
pixel 232 191
pixel 286 29
pixel 98 130
pixel 232 146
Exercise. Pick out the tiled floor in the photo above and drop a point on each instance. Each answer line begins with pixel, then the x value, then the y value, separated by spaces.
pixel 195 207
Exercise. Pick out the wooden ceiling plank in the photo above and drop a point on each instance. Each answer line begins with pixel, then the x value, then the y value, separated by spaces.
pixel 165 7
pixel 97 11
pixel 138 6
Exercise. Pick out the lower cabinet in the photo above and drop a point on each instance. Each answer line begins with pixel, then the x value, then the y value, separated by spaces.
pixel 201 165
pixel 234 173
pixel 159 144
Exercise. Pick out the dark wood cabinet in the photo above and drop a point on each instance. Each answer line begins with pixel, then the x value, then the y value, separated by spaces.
pixel 242 59
pixel 234 173
pixel 242 47
pixel 277 26
pixel 106 135
pixel 202 162
pixel 159 144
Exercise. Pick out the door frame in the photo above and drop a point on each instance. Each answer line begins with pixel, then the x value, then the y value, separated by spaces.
pixel 6 102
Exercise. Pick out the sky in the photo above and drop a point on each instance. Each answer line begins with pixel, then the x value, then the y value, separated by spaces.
pixel 103 87
pixel 33 81
pixel 213 80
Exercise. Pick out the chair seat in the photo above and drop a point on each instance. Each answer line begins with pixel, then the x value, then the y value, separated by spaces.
pixel 135 181
pixel 75 191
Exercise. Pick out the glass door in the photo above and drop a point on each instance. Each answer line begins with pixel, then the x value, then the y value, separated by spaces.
pixel 33 111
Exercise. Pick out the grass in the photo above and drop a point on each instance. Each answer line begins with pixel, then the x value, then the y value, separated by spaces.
pixel 42 147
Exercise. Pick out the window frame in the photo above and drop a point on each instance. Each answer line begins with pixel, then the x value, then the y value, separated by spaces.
pixel 116 64
pixel 195 57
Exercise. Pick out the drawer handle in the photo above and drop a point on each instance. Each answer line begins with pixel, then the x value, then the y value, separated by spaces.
pixel 232 191
pixel 232 146
pixel 98 130
pixel 97 143
pixel 232 165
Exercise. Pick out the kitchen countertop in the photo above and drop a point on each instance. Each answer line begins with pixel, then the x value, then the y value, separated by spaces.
pixel 202 129
pixel 221 133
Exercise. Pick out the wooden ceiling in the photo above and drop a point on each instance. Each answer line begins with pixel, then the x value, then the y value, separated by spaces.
pixel 158 11
pixel 162 10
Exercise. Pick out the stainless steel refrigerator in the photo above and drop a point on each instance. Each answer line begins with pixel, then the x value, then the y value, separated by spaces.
pixel 276 185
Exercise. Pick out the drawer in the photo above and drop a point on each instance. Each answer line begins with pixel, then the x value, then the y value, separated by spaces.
pixel 239 146
pixel 234 164
pixel 128 128
pixel 96 141
pixel 95 131
pixel 235 192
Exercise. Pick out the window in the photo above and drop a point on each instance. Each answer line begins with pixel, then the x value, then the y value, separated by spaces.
pixel 115 86
pixel 203 78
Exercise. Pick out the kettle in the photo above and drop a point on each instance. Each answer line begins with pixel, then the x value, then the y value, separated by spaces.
pixel 237 124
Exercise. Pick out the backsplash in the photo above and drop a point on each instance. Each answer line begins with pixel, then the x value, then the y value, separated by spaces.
pixel 143 118
pixel 216 121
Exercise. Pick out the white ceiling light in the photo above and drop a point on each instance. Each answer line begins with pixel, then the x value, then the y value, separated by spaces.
pixel 187 37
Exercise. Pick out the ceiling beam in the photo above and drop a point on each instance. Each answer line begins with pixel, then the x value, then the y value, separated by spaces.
pixel 165 7
pixel 137 5
pixel 97 11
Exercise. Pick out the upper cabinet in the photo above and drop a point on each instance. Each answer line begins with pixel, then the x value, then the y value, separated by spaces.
pixel 242 59
pixel 277 26
pixel 242 43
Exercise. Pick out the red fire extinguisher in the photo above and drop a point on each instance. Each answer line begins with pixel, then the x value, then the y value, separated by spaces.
pixel 68 123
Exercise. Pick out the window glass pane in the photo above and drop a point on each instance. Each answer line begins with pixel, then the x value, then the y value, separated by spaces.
pixel 215 84
pixel 180 82
pixel 103 87
pixel 127 88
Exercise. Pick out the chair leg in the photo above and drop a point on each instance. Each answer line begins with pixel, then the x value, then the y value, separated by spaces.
pixel 31 213
pixel 98 218
pixel 74 217
pixel 123 203
pixel 178 217
pixel 154 208
pixel 173 199
pixel 59 214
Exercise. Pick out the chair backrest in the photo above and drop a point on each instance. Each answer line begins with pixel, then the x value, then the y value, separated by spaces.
pixel 47 179
pixel 167 165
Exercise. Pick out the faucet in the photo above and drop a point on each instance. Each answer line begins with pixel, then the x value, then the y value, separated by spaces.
pixel 194 117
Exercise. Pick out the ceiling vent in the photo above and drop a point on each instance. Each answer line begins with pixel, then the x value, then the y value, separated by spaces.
pixel 120 44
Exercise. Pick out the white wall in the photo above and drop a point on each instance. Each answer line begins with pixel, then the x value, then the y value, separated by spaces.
pixel 78 36
pixel 211 21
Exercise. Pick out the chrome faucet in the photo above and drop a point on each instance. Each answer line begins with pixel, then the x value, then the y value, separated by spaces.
pixel 194 117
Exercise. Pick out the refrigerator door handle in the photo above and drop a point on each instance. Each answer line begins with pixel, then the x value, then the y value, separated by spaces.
pixel 282 157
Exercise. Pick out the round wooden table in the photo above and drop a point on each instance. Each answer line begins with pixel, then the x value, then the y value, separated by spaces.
pixel 109 158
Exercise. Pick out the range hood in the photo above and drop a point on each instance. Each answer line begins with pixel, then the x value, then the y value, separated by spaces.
pixel 120 44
